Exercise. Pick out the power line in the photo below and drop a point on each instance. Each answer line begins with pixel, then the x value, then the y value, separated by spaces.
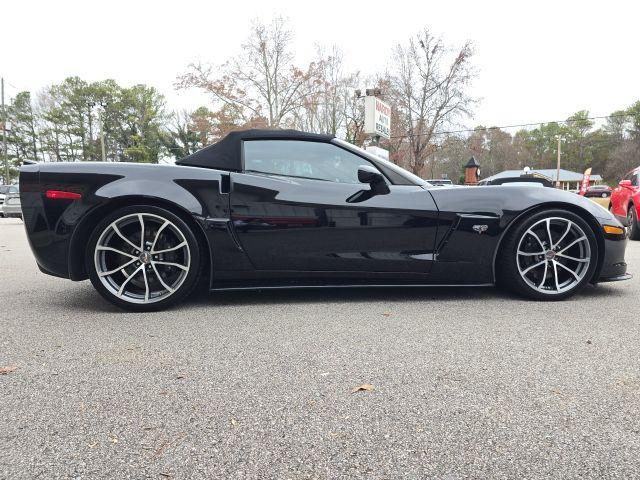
pixel 533 124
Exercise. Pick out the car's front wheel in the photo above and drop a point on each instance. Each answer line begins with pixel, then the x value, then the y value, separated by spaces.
pixel 548 256
pixel 143 258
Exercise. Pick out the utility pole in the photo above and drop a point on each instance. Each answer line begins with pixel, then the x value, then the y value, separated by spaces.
pixel 104 156
pixel 89 109
pixel 558 168
pixel 4 134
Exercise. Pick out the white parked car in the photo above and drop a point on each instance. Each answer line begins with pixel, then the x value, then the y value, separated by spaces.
pixel 10 201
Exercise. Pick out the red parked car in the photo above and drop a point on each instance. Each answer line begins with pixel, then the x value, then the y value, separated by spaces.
pixel 625 202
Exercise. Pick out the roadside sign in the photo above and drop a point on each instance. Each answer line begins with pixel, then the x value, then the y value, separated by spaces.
pixel 377 117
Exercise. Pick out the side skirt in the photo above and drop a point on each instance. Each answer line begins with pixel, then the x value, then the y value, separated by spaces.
pixel 391 285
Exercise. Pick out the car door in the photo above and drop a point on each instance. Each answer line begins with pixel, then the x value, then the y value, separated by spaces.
pixel 298 206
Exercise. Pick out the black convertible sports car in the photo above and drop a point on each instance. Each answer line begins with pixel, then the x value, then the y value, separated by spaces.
pixel 271 209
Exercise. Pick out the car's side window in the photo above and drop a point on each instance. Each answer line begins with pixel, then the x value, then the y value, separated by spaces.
pixel 634 180
pixel 305 159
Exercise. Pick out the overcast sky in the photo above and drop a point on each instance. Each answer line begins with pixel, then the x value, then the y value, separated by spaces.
pixel 536 61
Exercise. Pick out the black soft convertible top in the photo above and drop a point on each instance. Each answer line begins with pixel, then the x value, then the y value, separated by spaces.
pixel 227 153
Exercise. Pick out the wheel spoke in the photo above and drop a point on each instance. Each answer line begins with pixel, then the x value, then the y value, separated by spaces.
pixel 135 272
pixel 111 272
pixel 531 254
pixel 531 267
pixel 555 274
pixel 575 275
pixel 581 260
pixel 155 240
pixel 168 249
pixel 170 264
pixel 141 232
pixel 111 249
pixel 572 244
pixel 544 275
pixel 563 235
pixel 160 279
pixel 146 284
pixel 549 233
pixel 119 233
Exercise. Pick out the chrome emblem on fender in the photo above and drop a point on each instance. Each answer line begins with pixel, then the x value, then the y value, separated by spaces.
pixel 480 229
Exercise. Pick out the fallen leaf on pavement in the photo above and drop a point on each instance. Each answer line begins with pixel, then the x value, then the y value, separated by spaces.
pixel 365 387
pixel 386 314
pixel 5 370
pixel 234 422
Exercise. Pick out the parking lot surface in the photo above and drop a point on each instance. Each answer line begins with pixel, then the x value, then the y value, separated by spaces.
pixel 471 383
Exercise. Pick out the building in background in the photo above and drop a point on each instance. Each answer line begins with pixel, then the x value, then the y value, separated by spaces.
pixel 471 172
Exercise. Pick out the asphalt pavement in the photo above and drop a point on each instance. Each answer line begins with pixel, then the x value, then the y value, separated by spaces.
pixel 466 383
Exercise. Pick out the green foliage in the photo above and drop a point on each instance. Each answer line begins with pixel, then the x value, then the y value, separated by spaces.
pixel 76 117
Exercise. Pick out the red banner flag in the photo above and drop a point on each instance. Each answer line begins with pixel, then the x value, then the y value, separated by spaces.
pixel 586 177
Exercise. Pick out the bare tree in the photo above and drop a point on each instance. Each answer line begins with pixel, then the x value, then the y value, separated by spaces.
pixel 330 105
pixel 260 83
pixel 429 88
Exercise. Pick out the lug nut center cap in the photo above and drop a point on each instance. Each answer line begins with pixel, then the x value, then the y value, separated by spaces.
pixel 145 257
pixel 550 255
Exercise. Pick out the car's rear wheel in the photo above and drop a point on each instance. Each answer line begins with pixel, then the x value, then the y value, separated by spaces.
pixel 143 258
pixel 632 221
pixel 548 256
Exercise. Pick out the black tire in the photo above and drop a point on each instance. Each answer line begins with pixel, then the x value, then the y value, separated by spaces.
pixel 507 263
pixel 189 281
pixel 632 218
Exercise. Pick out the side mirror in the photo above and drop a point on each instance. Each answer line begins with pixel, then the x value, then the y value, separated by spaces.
pixel 625 183
pixel 368 174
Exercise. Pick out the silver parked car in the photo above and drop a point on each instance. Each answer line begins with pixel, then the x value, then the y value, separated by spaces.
pixel 10 204
pixel 4 190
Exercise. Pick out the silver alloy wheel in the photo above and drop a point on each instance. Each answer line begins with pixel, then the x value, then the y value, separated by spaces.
pixel 553 255
pixel 142 258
